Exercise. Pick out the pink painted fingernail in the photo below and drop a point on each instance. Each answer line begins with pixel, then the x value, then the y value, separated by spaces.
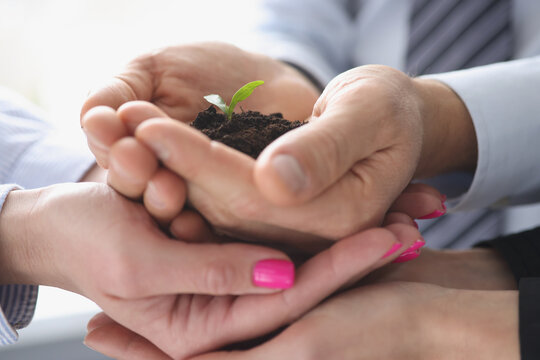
pixel 393 249
pixel 434 214
pixel 417 245
pixel 274 274
pixel 443 198
pixel 407 256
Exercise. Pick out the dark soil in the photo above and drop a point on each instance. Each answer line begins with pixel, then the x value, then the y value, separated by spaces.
pixel 249 132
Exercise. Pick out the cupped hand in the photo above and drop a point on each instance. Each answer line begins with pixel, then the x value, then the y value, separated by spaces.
pixel 364 142
pixel 220 183
pixel 180 326
pixel 176 78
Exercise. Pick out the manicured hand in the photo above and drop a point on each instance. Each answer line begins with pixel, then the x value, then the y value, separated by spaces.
pixel 372 130
pixel 202 323
pixel 220 182
pixel 89 239
pixel 396 320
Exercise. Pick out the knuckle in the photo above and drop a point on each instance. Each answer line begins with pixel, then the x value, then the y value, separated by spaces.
pixel 119 276
pixel 219 278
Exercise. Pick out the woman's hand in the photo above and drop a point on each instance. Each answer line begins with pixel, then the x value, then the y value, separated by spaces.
pixel 176 78
pixel 88 239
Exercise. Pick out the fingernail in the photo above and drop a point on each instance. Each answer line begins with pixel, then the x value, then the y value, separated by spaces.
pixel 393 249
pixel 417 245
pixel 290 172
pixel 94 142
pixel 98 320
pixel 415 224
pixel 443 198
pixel 274 274
pixel 160 149
pixel 152 196
pixel 407 256
pixel 434 214
pixel 85 343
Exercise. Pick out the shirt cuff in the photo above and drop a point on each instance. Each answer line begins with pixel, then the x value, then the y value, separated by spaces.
pixel 17 302
pixel 17 305
pixel 529 318
pixel 56 158
pixel 503 102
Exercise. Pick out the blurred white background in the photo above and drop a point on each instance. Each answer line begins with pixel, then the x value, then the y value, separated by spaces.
pixel 55 51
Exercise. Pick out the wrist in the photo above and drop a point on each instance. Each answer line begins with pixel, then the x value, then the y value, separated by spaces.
pixel 449 138
pixel 17 257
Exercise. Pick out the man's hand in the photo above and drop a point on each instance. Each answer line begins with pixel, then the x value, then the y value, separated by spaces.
pixel 473 269
pixel 371 131
pixel 395 320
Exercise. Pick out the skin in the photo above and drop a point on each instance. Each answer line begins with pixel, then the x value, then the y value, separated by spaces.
pixel 408 321
pixel 397 113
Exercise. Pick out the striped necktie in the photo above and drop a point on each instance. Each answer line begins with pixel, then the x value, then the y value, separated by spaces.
pixel 447 35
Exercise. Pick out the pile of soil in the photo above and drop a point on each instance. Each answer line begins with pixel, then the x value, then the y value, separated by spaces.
pixel 249 132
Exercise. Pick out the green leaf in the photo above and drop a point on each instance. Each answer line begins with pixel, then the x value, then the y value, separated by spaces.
pixel 217 100
pixel 242 94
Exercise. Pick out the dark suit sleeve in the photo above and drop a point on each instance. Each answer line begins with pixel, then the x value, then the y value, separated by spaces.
pixel 522 252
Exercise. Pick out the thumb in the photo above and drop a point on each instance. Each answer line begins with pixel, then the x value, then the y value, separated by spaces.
pixel 304 162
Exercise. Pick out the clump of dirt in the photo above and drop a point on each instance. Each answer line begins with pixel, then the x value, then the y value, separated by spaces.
pixel 249 132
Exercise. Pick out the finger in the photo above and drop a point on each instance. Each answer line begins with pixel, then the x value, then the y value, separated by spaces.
pixel 103 128
pixel 134 113
pixel 118 342
pixel 418 204
pixel 422 188
pixel 304 162
pixel 134 83
pixel 345 261
pixel 98 320
pixel 165 195
pixel 398 218
pixel 169 267
pixel 190 226
pixel 132 165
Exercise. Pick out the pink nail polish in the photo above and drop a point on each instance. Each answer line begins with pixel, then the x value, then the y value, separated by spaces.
pixel 443 198
pixel 417 245
pixel 433 215
pixel 274 274
pixel 407 256
pixel 393 249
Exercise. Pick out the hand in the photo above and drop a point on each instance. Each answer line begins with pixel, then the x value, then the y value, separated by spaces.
pixel 474 269
pixel 176 78
pixel 203 323
pixel 371 131
pixel 386 321
pixel 88 239
pixel 220 182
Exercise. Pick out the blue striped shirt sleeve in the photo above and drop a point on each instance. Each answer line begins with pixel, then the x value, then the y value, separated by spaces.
pixel 17 302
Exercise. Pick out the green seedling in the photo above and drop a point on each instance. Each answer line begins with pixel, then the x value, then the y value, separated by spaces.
pixel 242 94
